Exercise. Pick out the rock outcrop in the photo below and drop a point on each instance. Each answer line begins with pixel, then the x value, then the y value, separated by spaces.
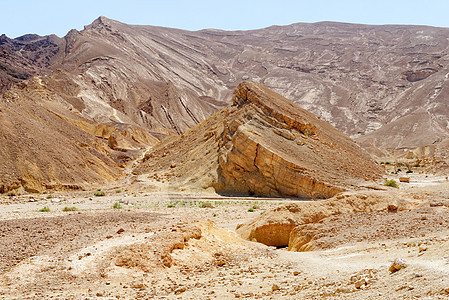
pixel 284 225
pixel 262 144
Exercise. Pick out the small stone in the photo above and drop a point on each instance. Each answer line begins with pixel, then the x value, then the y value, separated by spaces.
pixel 358 284
pixel 109 237
pixel 173 165
pixel 392 206
pixel 180 290
pixel 120 230
pixel 296 273
pixel 275 287
pixel 422 248
pixel 398 264
pixel 404 179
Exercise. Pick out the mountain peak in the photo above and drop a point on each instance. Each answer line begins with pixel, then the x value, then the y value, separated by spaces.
pixel 98 22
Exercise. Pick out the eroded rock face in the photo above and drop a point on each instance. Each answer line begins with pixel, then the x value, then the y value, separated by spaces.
pixel 276 148
pixel 262 144
pixel 287 224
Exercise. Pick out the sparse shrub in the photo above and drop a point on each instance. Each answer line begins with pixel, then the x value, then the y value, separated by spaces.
pixel 71 208
pixel 409 171
pixel 117 205
pixel 250 209
pixel 398 170
pixel 262 212
pixel 215 215
pixel 172 204
pixel 118 191
pixel 392 183
pixel 99 193
pixel 44 209
pixel 49 196
pixel 206 204
pixel 255 206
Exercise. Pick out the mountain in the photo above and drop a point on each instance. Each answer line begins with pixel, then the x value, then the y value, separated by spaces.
pixel 25 56
pixel 368 81
pixel 261 144
pixel 123 87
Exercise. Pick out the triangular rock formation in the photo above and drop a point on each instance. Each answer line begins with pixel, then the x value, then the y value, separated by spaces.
pixel 261 144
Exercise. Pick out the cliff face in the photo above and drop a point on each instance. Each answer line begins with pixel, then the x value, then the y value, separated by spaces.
pixel 262 144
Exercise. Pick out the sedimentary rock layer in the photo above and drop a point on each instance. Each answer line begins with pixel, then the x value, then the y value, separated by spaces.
pixel 262 144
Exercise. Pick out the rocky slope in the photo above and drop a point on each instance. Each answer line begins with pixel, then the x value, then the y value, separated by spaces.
pixel 261 144
pixel 385 85
pixel 44 144
pixel 26 56
pixel 385 81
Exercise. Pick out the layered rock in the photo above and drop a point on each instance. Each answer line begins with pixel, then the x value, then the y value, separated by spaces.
pixel 284 226
pixel 262 144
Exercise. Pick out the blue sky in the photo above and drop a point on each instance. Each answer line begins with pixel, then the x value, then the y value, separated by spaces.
pixel 59 16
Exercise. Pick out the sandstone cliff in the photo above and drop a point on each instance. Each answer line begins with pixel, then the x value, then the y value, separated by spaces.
pixel 261 144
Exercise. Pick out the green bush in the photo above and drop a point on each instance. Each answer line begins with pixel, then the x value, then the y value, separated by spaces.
pixel 250 209
pixel 49 196
pixel 172 204
pixel 72 208
pixel 44 209
pixel 392 183
pixel 206 204
pixel 118 191
pixel 99 193
pixel 117 205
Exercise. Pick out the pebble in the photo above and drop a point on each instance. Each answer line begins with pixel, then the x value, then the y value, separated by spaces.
pixel 398 264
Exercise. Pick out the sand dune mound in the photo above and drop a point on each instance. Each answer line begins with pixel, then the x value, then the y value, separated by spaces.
pixel 261 144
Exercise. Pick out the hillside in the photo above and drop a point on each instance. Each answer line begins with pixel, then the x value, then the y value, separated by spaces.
pixel 262 145
pixel 384 85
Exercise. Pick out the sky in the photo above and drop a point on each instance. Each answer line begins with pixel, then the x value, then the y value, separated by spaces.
pixel 58 16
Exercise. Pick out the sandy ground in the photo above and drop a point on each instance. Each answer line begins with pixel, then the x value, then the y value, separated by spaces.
pixel 183 247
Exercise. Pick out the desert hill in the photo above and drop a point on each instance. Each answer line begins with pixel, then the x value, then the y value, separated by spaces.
pixel 261 144
pixel 384 85
pixel 46 145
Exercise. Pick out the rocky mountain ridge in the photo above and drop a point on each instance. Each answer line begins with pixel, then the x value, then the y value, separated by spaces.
pixel 384 85
pixel 126 86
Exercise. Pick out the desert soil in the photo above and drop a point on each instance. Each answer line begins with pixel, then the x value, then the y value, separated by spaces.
pixel 168 246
